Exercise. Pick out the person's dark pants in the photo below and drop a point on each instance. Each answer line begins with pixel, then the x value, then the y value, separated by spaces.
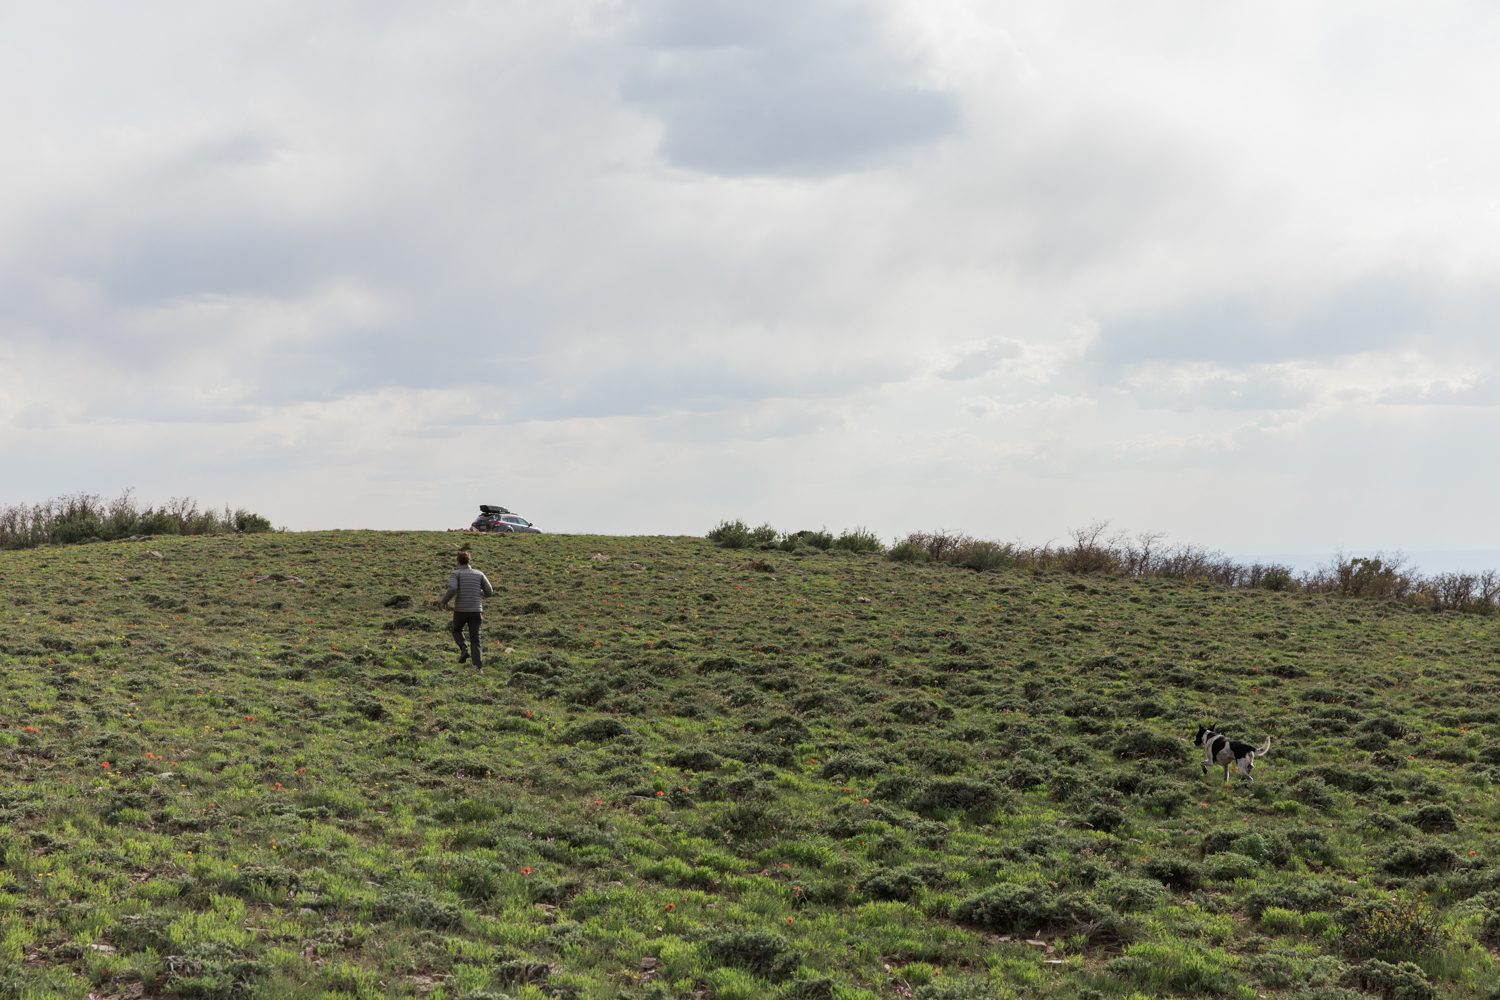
pixel 473 619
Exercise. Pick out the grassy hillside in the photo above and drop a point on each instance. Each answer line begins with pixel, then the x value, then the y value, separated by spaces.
pixel 248 766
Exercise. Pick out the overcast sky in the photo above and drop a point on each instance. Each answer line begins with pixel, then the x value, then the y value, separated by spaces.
pixel 1225 271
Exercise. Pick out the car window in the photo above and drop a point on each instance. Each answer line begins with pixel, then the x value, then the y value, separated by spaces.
pixel 511 519
pixel 523 520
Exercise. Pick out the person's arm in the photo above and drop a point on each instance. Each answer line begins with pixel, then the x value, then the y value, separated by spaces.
pixel 484 586
pixel 452 591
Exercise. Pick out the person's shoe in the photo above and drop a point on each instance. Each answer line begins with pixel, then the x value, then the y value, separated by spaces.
pixel 463 657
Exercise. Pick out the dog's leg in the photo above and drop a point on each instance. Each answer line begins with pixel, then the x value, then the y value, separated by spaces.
pixel 1226 774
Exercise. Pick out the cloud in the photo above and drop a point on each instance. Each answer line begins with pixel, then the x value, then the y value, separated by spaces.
pixel 801 88
pixel 643 265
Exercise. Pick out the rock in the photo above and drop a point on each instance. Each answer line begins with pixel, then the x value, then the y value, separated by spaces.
pixel 167 774
pixel 636 565
pixel 103 949
pixel 863 600
pixel 154 554
pixel 598 557
pixel 305 912
pixel 648 963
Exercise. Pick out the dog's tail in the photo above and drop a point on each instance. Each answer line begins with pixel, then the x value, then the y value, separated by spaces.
pixel 1265 747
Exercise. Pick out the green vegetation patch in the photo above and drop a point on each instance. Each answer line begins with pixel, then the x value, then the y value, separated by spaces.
pixel 250 765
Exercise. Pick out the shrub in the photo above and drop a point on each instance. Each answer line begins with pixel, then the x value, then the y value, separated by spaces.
pixel 890 885
pixel 1143 743
pixel 416 909
pixel 1175 871
pixel 813 539
pixel 717 664
pixel 1300 896
pixel 1405 981
pixel 986 557
pixel 1390 929
pixel 1418 859
pixel 1125 893
pixel 1018 908
pixel 908 551
pixel 410 623
pixel 1326 992
pixel 1164 795
pixel 87 517
pixel 597 731
pixel 1433 819
pixel 249 523
pixel 1313 792
pixel 1229 866
pixel 977 798
pixel 730 534
pixel 1104 817
pixel 960 989
pixel 760 952
pixel 853 765
pixel 475 879
pixel 859 540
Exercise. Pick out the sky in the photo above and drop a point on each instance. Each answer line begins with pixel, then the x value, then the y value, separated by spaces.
pixel 1228 272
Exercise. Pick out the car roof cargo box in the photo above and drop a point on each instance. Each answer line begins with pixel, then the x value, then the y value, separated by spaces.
pixel 488 508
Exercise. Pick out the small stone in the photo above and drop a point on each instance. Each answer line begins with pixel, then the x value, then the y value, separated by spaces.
pixel 103 949
pixel 154 554
pixel 648 963
pixel 305 912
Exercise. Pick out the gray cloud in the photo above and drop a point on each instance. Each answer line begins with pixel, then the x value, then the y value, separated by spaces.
pixel 782 87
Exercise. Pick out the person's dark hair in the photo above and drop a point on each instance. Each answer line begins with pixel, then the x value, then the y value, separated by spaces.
pixel 463 559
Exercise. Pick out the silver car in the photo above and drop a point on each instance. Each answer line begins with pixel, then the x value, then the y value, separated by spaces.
pixel 498 520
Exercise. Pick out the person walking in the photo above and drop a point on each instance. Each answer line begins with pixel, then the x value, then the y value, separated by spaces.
pixel 467 588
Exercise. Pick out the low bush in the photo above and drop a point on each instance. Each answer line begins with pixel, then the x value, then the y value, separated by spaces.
pixel 908 551
pixel 416 909
pixel 986 557
pixel 1023 907
pixel 1406 858
pixel 1127 894
pixel 859 540
pixel 1404 981
pixel 966 795
pixel 85 517
pixel 1301 896
pixel 1177 872
pixel 1394 929
pixel 760 952
pixel 730 534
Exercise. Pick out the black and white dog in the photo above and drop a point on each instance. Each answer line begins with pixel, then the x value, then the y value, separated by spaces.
pixel 1228 752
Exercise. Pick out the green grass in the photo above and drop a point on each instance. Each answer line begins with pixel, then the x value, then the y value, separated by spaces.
pixel 686 773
